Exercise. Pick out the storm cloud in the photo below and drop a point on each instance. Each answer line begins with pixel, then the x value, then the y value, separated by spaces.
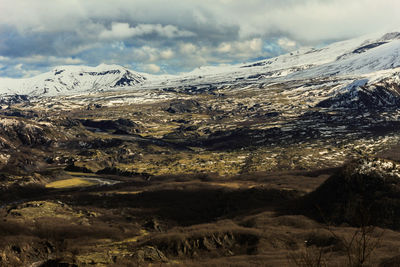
pixel 177 35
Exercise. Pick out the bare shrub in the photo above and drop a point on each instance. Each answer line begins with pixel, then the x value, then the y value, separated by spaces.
pixel 360 245
pixel 310 256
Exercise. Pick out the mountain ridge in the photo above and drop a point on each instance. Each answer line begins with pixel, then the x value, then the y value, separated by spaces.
pixel 64 80
pixel 374 59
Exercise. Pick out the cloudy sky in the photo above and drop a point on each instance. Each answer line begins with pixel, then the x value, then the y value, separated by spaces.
pixel 171 36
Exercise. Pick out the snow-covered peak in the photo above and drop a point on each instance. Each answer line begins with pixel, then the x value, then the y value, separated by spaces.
pixel 362 60
pixel 64 80
pixel 374 57
pixel 363 56
pixel 356 50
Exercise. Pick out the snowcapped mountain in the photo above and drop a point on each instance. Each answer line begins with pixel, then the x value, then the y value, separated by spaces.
pixel 67 80
pixel 362 72
pixel 363 56
pixel 373 59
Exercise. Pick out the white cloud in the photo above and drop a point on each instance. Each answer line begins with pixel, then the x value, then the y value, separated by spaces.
pixel 242 49
pixel 287 44
pixel 308 20
pixel 118 31
pixel 167 54
pixel 152 68
pixel 67 60
pixel 253 45
pixel 49 59
pixel 123 31
pixel 18 66
pixel 224 48
pixel 52 32
pixel 30 73
pixel 188 48
pixel 146 54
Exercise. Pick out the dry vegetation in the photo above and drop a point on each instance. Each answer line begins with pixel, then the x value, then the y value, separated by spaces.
pixel 186 221
pixel 214 181
pixel 73 182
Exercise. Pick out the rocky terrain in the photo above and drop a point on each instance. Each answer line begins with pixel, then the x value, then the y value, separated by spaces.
pixel 269 163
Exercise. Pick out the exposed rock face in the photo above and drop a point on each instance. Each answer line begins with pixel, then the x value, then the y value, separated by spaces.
pixel 14 132
pixel 149 254
pixel 13 99
pixel 364 48
pixel 120 126
pixel 129 79
pixel 233 242
pixel 184 106
pixel 361 96
pixel 20 137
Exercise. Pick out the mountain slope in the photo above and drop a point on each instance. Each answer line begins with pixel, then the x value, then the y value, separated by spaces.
pixel 65 80
pixel 381 56
pixel 373 58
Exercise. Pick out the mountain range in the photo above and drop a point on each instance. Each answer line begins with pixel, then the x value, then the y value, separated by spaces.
pixel 368 60
pixel 289 158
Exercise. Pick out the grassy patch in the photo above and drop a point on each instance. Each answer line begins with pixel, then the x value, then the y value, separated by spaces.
pixel 73 182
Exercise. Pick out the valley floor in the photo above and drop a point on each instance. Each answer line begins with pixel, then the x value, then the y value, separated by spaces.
pixel 218 178
pixel 177 221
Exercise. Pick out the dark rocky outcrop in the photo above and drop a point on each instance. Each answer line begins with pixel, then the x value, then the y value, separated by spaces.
pixel 116 171
pixel 13 99
pixel 120 126
pixel 365 48
pixel 367 97
pixel 363 192
pixel 73 168
pixel 149 254
pixel 211 244
pixel 184 106
pixel 15 132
